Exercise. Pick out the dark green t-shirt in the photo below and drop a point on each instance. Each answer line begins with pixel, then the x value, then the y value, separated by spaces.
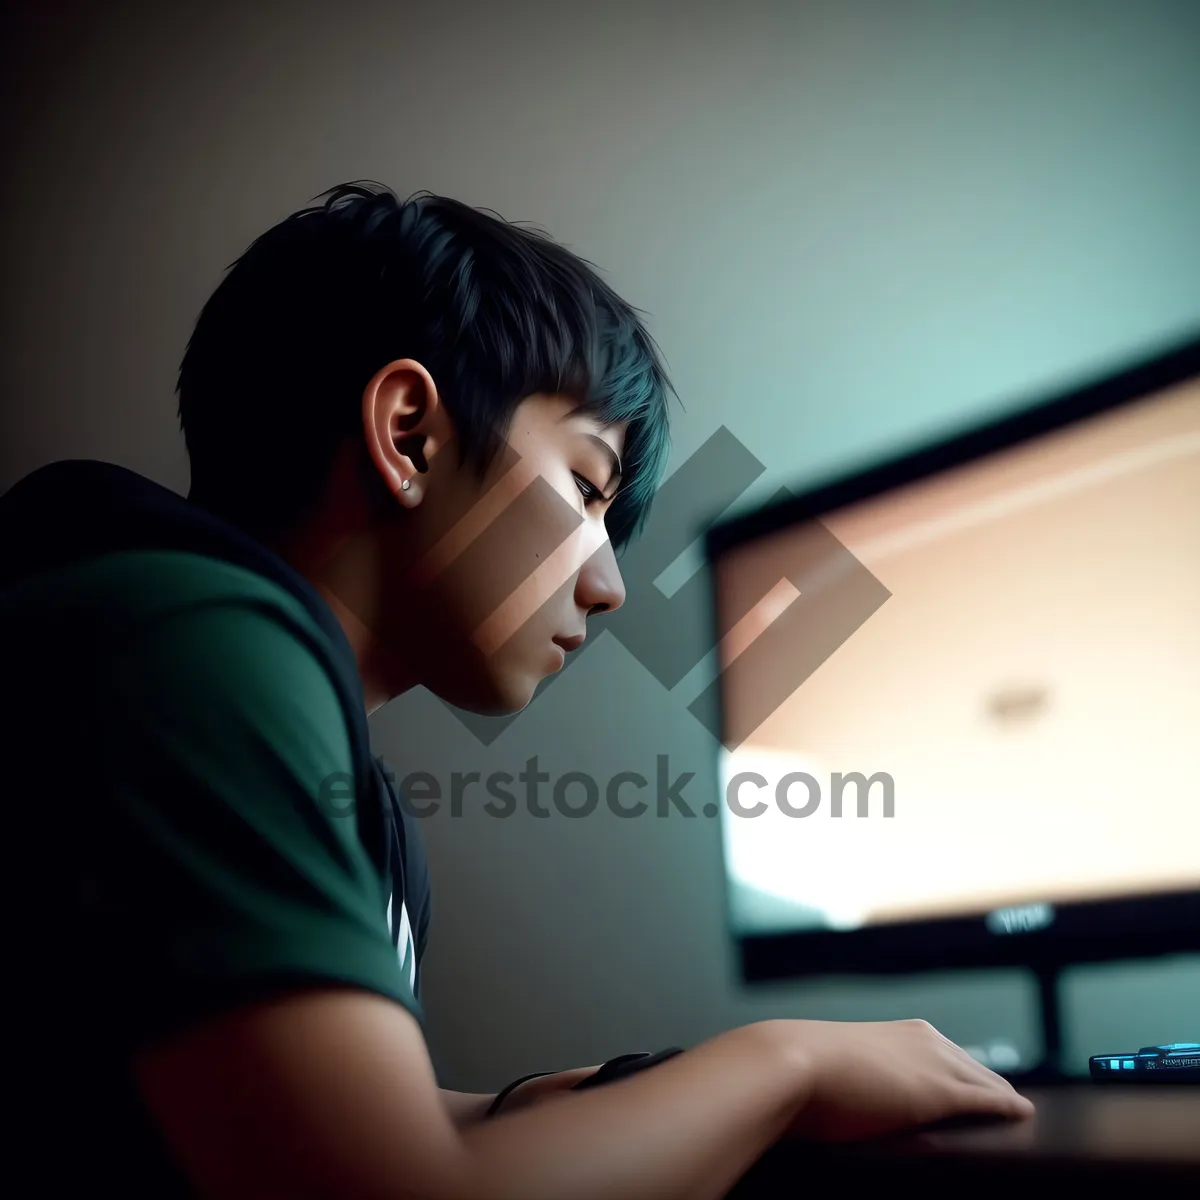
pixel 210 869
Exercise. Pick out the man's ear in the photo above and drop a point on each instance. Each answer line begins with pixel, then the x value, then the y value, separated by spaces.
pixel 405 425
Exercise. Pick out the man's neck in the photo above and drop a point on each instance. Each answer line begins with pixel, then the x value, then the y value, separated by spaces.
pixel 318 560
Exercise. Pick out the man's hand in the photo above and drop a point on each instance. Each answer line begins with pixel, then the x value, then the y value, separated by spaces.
pixel 874 1078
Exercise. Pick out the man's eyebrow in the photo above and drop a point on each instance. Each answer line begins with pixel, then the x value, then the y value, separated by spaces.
pixel 612 454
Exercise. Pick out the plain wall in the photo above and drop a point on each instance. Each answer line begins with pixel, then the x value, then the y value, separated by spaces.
pixel 854 225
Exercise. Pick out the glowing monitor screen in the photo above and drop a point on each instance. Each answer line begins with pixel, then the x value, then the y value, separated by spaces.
pixel 1012 725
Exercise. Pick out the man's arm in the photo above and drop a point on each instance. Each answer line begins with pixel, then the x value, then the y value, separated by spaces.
pixel 331 1093
pixel 465 1108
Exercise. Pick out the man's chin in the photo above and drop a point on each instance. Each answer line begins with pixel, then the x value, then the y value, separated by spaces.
pixel 516 697
pixel 499 697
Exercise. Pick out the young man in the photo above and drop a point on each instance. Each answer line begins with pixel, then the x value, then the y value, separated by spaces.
pixel 417 436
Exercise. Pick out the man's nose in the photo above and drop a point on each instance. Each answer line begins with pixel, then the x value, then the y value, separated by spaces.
pixel 600 587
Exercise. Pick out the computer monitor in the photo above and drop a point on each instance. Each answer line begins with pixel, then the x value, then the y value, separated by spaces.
pixel 987 655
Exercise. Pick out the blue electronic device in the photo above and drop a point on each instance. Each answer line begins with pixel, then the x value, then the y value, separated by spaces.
pixel 1178 1062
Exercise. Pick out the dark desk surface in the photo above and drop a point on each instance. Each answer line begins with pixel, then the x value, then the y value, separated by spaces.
pixel 1104 1137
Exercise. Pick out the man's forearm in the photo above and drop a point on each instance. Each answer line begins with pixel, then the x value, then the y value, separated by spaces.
pixel 466 1108
pixel 691 1126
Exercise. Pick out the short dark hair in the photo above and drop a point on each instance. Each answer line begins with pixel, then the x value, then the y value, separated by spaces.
pixel 273 374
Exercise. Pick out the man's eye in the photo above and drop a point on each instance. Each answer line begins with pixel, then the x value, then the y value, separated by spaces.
pixel 589 491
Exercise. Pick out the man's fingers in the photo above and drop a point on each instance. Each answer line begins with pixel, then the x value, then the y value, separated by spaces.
pixel 975 1070
pixel 988 1098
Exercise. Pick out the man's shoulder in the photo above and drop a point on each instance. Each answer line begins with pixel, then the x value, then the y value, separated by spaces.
pixel 152 583
pixel 235 633
pixel 108 598
pixel 208 669
pixel 125 613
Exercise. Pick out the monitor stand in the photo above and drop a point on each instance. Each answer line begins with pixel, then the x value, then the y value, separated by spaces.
pixel 1049 1070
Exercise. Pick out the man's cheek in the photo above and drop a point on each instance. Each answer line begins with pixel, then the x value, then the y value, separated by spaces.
pixel 516 565
pixel 526 609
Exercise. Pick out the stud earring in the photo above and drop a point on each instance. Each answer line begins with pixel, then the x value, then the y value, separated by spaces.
pixel 406 484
